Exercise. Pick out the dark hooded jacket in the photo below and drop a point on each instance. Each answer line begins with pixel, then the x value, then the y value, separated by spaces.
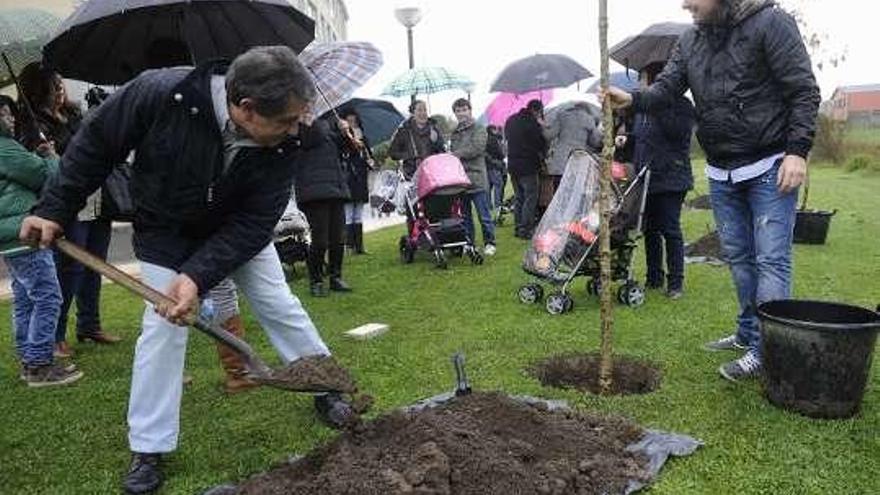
pixel 320 175
pixel 192 214
pixel 526 145
pixel 752 82
pixel 662 141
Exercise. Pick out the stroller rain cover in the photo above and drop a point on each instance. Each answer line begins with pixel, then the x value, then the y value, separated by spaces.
pixel 571 223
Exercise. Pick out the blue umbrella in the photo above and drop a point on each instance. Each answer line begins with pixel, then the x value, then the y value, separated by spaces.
pixel 379 118
pixel 627 81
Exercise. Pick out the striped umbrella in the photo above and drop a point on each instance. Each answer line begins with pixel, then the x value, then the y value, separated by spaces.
pixel 427 80
pixel 339 69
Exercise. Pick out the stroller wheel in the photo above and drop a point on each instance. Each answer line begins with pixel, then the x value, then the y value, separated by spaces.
pixel 559 303
pixel 407 253
pixel 475 256
pixel 440 259
pixel 631 294
pixel 530 293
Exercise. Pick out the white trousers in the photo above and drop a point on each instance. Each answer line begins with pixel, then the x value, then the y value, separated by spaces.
pixel 157 374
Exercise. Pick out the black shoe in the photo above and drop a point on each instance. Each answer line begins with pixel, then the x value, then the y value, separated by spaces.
pixel 317 289
pixel 339 285
pixel 144 475
pixel 650 284
pixel 334 411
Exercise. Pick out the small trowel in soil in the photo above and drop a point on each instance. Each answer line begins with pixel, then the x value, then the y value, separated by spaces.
pixel 313 374
pixel 462 387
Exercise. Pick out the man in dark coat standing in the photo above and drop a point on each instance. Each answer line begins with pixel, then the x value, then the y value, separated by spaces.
pixel 213 170
pixel 526 149
pixel 756 100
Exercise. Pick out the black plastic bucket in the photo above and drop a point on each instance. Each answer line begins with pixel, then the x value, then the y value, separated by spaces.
pixel 811 226
pixel 817 355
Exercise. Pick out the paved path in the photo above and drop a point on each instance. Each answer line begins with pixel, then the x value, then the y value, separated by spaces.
pixel 122 256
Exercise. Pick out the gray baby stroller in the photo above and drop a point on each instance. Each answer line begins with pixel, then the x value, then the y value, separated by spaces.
pixel 565 244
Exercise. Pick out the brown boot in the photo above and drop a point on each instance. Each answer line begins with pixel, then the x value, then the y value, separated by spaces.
pixel 233 365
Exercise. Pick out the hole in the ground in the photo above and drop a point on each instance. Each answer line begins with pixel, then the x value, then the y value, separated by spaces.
pixel 581 372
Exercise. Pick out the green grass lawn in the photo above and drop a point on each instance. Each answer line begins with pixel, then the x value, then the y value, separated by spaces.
pixel 73 440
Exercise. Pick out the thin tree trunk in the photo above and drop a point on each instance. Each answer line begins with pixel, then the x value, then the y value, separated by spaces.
pixel 606 303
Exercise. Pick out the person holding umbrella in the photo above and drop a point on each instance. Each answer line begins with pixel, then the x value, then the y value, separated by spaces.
pixel 526 149
pixel 662 142
pixel 756 100
pixel 57 119
pixel 358 159
pixel 416 139
pixel 213 171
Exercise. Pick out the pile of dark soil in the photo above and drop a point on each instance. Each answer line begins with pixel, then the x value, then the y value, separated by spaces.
pixel 314 374
pixel 581 372
pixel 700 203
pixel 708 246
pixel 479 444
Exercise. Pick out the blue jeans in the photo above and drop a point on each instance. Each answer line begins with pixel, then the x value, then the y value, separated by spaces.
pixel 755 224
pixel 497 181
pixel 480 200
pixel 78 282
pixel 36 306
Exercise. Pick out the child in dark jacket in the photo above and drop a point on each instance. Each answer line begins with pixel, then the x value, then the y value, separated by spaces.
pixel 37 295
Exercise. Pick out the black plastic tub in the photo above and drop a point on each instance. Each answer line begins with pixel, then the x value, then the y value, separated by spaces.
pixel 817 355
pixel 811 226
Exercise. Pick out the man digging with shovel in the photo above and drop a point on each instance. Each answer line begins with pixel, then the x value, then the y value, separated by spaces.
pixel 214 163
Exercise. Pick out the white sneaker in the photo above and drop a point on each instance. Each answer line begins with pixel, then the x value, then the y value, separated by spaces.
pixel 489 250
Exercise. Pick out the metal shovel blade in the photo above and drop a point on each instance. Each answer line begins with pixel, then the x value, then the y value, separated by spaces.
pixel 313 374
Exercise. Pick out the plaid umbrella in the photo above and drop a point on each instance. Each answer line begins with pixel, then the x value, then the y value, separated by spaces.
pixel 427 80
pixel 22 34
pixel 340 68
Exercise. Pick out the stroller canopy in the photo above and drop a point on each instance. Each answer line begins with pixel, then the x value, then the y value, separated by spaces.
pixel 439 173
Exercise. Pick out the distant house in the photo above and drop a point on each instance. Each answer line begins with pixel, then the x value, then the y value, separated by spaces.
pixel 856 105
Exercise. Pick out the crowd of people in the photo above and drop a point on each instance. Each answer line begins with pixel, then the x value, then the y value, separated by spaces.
pixel 218 151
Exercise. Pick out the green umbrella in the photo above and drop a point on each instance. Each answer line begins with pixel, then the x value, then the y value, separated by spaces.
pixel 427 80
pixel 22 35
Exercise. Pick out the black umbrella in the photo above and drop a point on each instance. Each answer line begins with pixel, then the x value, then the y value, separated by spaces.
pixel 110 42
pixel 652 45
pixel 539 72
pixel 379 118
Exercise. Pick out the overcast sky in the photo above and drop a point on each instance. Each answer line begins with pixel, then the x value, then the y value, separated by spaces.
pixel 479 37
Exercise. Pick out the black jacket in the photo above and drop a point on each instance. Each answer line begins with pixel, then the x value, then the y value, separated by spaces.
pixel 412 144
pixel 752 83
pixel 320 175
pixel 495 151
pixel 526 146
pixel 191 216
pixel 663 143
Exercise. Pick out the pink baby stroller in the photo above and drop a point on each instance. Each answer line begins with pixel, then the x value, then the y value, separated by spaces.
pixel 434 211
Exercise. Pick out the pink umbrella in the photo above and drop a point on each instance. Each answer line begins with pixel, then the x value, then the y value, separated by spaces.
pixel 506 104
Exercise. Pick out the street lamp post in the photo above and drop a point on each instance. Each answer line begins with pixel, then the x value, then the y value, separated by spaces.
pixel 409 17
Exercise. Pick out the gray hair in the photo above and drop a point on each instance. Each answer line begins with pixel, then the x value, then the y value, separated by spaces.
pixel 269 75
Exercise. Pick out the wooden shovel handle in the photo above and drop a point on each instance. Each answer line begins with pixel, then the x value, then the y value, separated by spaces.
pixel 92 262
